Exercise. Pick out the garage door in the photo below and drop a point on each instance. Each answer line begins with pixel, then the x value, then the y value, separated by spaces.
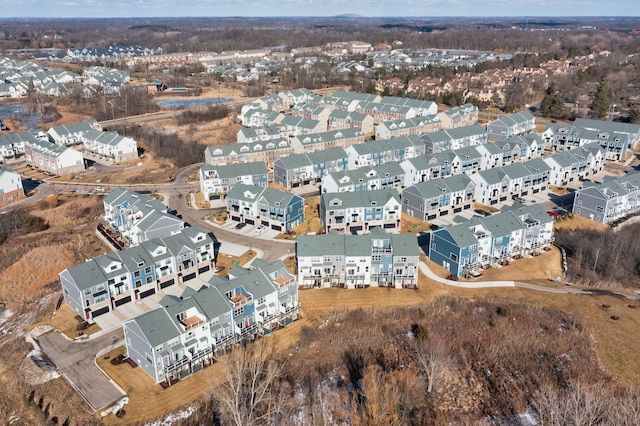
pixel 249 221
pixel 99 312
pixel 189 277
pixel 123 301
pixel 203 269
pixel 167 283
pixel 147 293
pixel 236 218
pixel 276 227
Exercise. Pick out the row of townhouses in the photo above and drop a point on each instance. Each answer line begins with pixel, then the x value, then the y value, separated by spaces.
pixel 216 181
pixel 303 169
pixel 515 124
pixel 138 217
pixel 103 283
pixel 615 138
pixel 468 247
pixel 614 198
pixel 11 189
pixel 384 176
pixel 273 208
pixel 375 259
pixel 437 197
pixel 90 136
pixel 186 333
pixel 359 212
pixel 267 152
pixel 456 138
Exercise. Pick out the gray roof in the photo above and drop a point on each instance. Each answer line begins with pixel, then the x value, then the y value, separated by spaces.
pixel 236 170
pixel 337 244
pixel 378 197
pixel 612 126
pixel 157 326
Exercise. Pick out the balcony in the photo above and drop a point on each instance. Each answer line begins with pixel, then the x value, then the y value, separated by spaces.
pixel 240 300
pixel 290 309
pixel 176 364
pixel 224 339
pixel 284 280
pixel 191 322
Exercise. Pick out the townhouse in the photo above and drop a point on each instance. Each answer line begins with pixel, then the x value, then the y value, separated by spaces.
pixel 575 165
pixel 384 176
pixel 185 334
pixel 614 198
pixel 258 117
pixel 359 212
pixel 456 138
pixel 325 140
pixel 500 184
pixel 339 119
pixel 511 150
pixel 270 207
pixel 461 116
pixel 375 259
pixel 12 145
pixel 110 145
pixel 381 112
pixel 11 189
pixel 633 130
pixel 429 166
pixel 558 137
pixel 138 217
pixel 313 112
pixel 471 246
pixel 71 134
pixel 409 126
pixel 438 197
pixel 51 158
pixel 296 126
pixel 302 169
pixel 215 181
pixel 514 124
pixel 266 132
pixel 103 283
pixel 374 153
pixel 266 152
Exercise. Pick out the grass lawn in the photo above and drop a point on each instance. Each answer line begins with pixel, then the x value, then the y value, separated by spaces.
pixel 67 321
pixel 576 223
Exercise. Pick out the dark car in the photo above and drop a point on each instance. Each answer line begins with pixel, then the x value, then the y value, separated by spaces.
pixel 241 225
pixel 518 199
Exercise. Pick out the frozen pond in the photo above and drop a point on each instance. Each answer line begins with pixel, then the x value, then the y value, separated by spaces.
pixel 191 102
pixel 21 113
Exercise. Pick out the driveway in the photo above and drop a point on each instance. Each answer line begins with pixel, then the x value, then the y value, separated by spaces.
pixel 76 362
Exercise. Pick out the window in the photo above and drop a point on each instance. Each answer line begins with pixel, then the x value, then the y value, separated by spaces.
pixel 158 348
pixel 149 358
pixel 238 311
pixel 262 301
pixel 173 342
pixel 149 280
pixel 147 270
pixel 454 257
pixel 136 274
pixel 87 291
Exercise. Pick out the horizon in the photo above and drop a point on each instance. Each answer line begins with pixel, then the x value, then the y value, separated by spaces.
pixel 434 9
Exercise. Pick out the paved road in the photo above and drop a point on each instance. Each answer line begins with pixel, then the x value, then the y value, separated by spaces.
pixel 76 362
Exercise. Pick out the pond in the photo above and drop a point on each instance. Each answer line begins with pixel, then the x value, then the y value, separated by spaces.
pixel 177 103
pixel 21 113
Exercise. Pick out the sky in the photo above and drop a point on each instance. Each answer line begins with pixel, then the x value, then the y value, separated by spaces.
pixel 368 8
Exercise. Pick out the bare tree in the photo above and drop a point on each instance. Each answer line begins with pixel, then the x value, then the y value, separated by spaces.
pixel 431 355
pixel 580 405
pixel 252 393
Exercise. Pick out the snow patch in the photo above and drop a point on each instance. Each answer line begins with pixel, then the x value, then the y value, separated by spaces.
pixel 5 314
pixel 36 368
pixel 173 417
pixel 115 407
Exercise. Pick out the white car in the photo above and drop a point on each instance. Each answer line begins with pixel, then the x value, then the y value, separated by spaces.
pixel 260 228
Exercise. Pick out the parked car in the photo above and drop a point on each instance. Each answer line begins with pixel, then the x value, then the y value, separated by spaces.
pixel 518 199
pixel 260 228
pixel 241 225
pixel 482 213
pixel 554 214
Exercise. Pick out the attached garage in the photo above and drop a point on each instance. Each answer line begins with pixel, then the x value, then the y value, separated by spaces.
pixel 147 293
pixel 166 284
pixel 203 269
pixel 122 301
pixel 99 312
pixel 276 227
pixel 250 221
pixel 188 277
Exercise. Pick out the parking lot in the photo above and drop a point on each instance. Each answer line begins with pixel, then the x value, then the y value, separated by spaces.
pixel 253 230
